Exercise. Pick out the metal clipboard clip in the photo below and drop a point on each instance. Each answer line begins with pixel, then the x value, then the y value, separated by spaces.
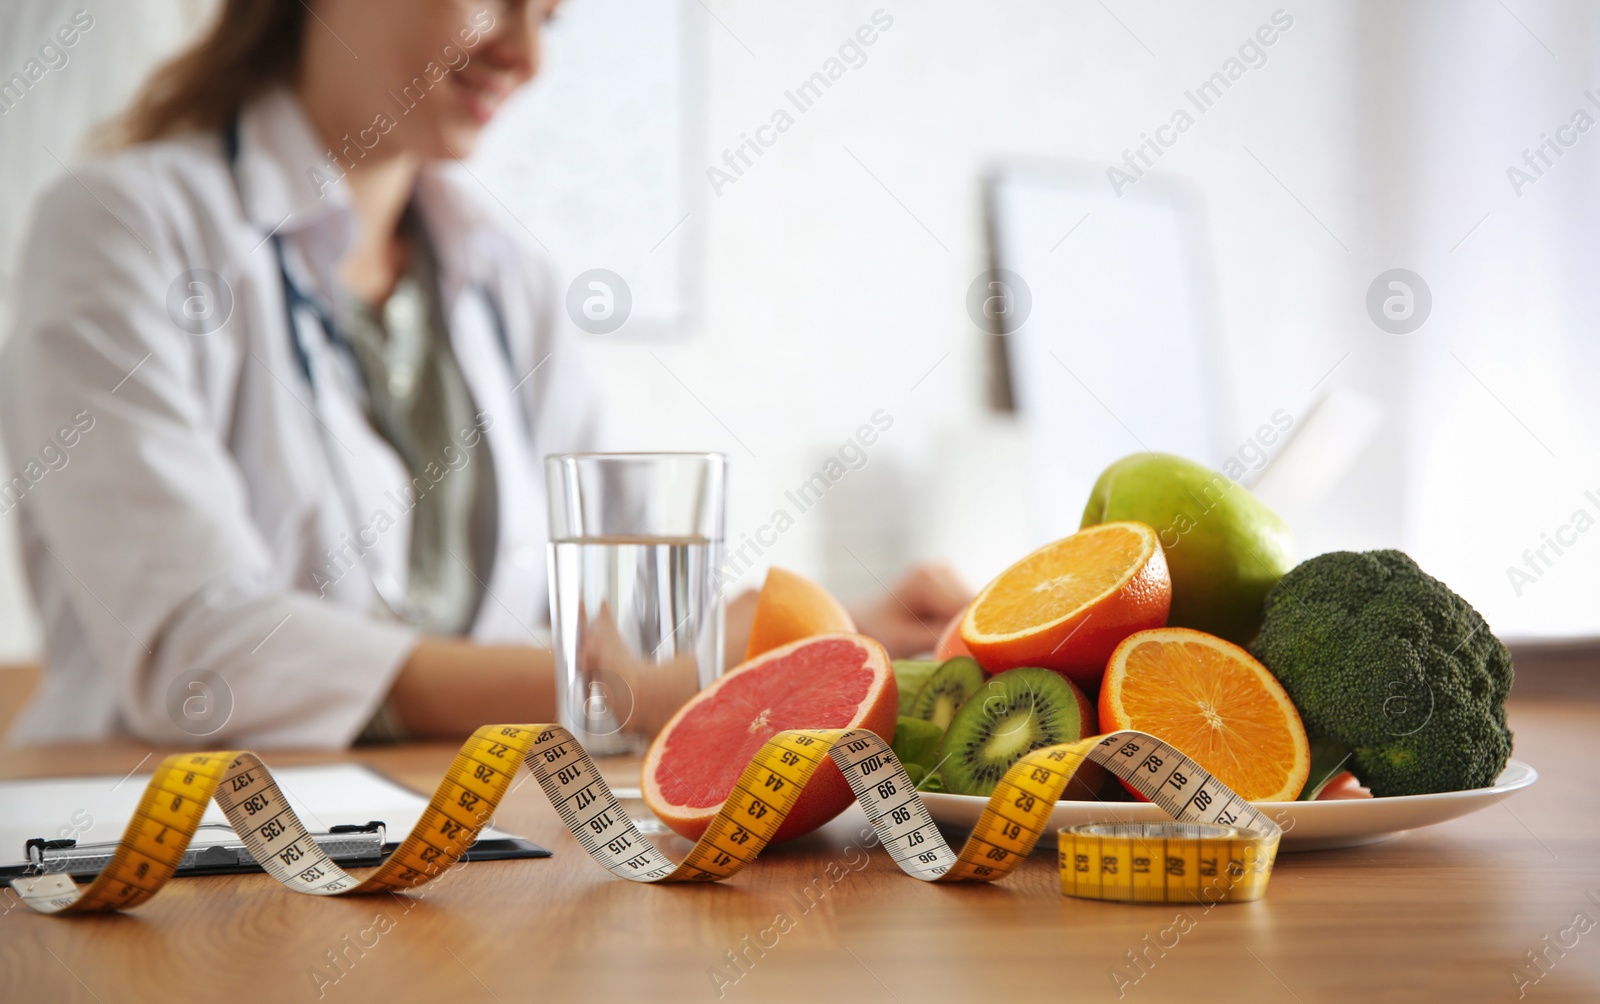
pixel 222 853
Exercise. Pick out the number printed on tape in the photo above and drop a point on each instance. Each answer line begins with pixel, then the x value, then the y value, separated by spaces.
pixel 1219 847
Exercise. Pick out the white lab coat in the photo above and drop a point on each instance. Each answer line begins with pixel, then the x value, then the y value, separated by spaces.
pixel 198 522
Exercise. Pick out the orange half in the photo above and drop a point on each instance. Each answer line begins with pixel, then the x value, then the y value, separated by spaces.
pixel 1067 605
pixel 1214 702
pixel 791 607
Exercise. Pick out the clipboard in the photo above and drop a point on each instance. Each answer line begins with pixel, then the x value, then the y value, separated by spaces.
pixel 338 802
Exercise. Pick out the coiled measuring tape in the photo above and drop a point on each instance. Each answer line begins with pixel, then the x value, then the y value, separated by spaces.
pixel 1219 849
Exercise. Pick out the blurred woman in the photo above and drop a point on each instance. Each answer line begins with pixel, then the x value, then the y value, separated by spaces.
pixel 307 376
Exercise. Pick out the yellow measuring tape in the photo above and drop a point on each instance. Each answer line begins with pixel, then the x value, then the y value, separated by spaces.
pixel 1220 849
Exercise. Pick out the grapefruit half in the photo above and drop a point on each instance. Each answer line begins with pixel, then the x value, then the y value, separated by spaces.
pixel 827 682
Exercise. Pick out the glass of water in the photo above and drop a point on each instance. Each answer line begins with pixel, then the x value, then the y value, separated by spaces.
pixel 635 609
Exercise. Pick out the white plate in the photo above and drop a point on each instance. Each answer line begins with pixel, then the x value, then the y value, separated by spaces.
pixel 1308 826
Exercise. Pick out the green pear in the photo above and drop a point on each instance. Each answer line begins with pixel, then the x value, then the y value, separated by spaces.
pixel 1224 548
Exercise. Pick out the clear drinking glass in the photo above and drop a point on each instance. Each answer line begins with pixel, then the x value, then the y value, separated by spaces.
pixel 635 613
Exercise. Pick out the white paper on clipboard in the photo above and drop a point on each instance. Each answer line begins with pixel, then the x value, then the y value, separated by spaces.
pixel 97 809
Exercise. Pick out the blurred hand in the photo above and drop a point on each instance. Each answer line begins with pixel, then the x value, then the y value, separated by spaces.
pixel 908 621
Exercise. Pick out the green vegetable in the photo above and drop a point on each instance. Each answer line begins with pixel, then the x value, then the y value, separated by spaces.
pixel 1391 669
pixel 917 742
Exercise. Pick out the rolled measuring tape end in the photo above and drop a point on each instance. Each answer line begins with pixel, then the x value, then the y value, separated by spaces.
pixel 1165 862
pixel 171 807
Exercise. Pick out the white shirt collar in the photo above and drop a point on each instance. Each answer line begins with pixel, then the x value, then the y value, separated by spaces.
pixel 290 184
pixel 286 180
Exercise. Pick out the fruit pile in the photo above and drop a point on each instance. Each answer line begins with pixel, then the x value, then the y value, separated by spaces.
pixel 1361 666
pixel 1088 615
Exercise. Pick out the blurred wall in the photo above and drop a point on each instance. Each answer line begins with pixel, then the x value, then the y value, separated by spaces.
pixel 838 264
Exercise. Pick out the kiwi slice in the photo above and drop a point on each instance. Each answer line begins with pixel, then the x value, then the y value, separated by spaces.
pixel 909 676
pixel 946 690
pixel 1014 713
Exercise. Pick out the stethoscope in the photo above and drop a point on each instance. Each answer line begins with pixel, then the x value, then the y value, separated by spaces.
pixel 295 299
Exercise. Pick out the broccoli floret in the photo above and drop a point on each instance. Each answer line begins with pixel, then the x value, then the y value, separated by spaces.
pixel 1387 662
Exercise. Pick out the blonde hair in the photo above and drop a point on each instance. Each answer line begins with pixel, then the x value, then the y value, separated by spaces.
pixel 252 46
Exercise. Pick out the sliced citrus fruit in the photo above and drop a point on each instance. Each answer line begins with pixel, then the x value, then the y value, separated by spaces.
pixel 1067 605
pixel 827 682
pixel 791 607
pixel 1215 703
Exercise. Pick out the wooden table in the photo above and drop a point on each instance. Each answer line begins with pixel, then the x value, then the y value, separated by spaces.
pixel 1443 914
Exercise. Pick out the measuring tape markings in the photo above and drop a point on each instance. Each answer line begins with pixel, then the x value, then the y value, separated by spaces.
pixel 1139 862
pixel 165 819
pixel 1221 843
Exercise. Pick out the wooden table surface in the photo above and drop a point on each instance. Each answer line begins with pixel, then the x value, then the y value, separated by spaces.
pixel 1443 914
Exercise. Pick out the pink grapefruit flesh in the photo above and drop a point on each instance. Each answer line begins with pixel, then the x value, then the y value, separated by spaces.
pixel 824 682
